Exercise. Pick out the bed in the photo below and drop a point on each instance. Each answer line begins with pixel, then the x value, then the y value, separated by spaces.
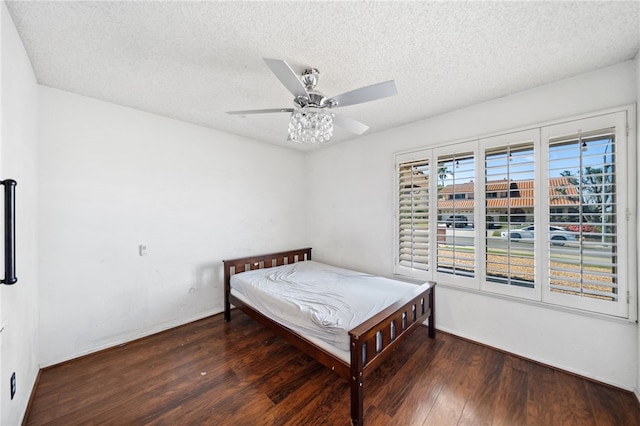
pixel 367 344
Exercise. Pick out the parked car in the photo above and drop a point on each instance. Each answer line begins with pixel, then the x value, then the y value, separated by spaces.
pixel 559 235
pixel 457 221
pixel 491 224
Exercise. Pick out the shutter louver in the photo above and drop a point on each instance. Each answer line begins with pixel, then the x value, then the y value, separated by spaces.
pixel 456 206
pixel 413 214
pixel 583 260
pixel 510 203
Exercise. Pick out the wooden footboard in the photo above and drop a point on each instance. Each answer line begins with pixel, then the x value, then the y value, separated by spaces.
pixel 375 339
pixel 371 342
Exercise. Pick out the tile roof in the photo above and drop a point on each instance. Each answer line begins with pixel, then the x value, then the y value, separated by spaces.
pixel 521 194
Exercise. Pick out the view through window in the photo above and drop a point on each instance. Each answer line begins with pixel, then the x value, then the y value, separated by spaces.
pixel 456 206
pixel 582 214
pixel 545 223
pixel 509 210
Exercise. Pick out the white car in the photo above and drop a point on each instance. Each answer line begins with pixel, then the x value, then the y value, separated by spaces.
pixel 558 235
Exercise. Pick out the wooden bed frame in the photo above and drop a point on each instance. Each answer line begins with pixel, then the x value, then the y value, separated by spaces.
pixel 370 342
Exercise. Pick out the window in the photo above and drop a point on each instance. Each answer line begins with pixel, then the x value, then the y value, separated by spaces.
pixel 582 174
pixel 509 170
pixel 547 221
pixel 456 250
pixel 413 223
pixel 589 195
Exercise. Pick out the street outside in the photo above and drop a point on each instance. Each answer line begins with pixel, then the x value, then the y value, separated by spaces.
pixel 514 260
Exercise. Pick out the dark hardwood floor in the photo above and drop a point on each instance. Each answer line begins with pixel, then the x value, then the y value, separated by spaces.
pixel 239 373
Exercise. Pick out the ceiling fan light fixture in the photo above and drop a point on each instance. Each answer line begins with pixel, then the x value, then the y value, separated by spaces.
pixel 311 125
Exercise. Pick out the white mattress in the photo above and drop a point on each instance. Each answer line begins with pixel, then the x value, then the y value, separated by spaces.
pixel 338 353
pixel 318 301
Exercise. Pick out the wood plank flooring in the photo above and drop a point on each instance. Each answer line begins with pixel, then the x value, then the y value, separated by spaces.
pixel 214 373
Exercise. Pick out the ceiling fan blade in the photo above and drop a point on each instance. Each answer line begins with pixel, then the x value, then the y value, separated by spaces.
pixel 287 76
pixel 353 126
pixel 366 94
pixel 260 111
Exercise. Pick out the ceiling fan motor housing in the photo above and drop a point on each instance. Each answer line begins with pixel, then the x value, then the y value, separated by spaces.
pixel 314 99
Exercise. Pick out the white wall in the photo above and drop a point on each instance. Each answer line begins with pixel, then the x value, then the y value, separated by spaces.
pixel 19 302
pixel 351 223
pixel 112 178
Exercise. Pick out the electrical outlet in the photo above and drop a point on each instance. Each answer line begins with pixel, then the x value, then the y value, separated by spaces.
pixel 13 385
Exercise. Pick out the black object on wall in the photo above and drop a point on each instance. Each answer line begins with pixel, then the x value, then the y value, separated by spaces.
pixel 9 232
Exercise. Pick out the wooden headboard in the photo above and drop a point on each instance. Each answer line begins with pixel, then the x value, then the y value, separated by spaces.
pixel 270 260
pixel 235 266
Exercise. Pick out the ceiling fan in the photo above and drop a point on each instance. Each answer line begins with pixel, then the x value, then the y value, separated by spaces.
pixel 311 121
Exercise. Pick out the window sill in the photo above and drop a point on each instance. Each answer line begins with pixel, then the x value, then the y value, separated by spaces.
pixel 539 304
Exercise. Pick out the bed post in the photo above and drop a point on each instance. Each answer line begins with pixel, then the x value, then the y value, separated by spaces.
pixel 227 290
pixel 432 316
pixel 357 383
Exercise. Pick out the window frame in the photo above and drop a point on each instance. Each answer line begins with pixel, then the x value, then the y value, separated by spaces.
pixel 461 149
pixel 624 240
pixel 401 269
pixel 623 119
pixel 504 140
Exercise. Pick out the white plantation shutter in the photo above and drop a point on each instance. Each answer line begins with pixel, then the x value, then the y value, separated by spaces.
pixel 541 214
pixel 510 204
pixel 413 215
pixel 456 201
pixel 585 198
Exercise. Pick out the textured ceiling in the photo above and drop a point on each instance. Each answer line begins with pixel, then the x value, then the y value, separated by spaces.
pixel 193 61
